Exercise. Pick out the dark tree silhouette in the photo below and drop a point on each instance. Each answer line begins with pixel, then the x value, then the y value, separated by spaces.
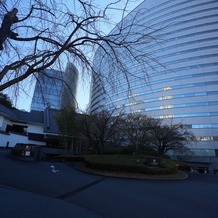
pixel 5 30
pixel 100 128
pixel 166 136
pixel 5 100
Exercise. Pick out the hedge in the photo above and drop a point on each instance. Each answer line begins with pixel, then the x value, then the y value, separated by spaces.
pixel 126 164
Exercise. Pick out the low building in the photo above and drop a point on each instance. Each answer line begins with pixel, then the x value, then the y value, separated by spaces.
pixel 35 127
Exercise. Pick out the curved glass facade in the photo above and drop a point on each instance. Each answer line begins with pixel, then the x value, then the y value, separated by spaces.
pixel 182 82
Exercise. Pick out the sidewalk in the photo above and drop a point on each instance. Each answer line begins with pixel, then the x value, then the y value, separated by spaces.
pixel 21 204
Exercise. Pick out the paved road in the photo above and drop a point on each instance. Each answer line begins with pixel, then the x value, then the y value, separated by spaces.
pixel 88 195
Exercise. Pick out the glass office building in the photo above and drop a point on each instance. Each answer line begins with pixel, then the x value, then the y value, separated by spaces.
pixel 68 97
pixel 55 89
pixel 48 90
pixel 182 75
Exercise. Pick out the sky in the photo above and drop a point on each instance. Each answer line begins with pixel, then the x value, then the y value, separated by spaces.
pixel 23 101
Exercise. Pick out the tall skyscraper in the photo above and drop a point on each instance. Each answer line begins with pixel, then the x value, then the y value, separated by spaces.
pixel 48 90
pixel 182 78
pixel 70 78
pixel 55 89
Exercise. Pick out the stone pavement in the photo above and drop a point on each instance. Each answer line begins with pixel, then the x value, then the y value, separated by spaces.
pixel 16 203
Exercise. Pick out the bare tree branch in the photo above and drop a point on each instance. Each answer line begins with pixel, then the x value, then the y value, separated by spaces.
pixel 53 32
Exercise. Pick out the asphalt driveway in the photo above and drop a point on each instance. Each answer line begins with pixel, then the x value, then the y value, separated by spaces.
pixel 87 195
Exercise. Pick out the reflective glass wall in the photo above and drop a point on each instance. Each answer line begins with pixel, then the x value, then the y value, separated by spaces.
pixel 182 75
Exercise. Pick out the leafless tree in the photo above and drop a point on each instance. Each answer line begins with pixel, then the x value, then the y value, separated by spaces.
pixel 160 135
pixel 45 33
pixel 100 128
pixel 135 130
pixel 118 136
pixel 166 136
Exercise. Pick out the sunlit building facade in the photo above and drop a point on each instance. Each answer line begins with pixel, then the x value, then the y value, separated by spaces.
pixel 182 82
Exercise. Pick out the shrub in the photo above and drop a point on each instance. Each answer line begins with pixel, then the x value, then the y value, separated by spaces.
pixel 126 164
pixel 146 150
pixel 71 157
pixel 183 166
pixel 125 150
pixel 110 150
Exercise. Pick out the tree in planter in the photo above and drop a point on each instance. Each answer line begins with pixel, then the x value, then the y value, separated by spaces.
pixel 164 137
pixel 44 34
pixel 99 128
